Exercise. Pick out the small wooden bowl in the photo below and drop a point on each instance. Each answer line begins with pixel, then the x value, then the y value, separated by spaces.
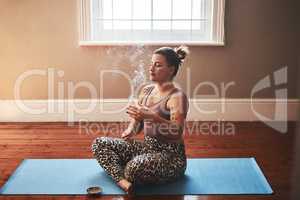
pixel 95 190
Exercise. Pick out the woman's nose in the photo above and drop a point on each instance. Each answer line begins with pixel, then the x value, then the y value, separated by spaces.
pixel 151 68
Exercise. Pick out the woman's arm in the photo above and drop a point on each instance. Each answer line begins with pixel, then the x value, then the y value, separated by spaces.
pixel 135 126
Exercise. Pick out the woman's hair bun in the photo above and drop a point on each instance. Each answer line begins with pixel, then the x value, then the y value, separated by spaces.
pixel 182 51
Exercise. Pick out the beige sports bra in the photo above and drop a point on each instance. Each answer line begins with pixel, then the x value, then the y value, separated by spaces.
pixel 161 131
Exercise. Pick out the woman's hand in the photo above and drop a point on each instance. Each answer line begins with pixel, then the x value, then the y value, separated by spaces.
pixel 133 128
pixel 127 134
pixel 140 112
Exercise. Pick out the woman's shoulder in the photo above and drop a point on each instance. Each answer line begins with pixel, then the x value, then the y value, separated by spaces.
pixel 179 101
pixel 178 92
pixel 178 96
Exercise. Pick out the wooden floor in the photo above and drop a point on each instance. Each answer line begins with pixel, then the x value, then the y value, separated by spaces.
pixel 272 150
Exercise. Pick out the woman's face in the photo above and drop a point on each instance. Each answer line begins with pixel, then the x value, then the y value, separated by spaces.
pixel 159 69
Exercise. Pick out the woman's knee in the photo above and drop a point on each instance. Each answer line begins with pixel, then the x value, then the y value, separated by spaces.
pixel 138 170
pixel 99 143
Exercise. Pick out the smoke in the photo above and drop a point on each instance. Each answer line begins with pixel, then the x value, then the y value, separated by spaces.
pixel 139 74
pixel 137 57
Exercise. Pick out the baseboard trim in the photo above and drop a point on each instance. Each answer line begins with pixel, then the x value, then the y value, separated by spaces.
pixel 108 110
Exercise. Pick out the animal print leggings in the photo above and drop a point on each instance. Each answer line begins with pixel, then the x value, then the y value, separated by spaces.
pixel 140 162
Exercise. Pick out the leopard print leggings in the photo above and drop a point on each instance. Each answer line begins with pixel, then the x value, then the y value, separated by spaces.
pixel 140 162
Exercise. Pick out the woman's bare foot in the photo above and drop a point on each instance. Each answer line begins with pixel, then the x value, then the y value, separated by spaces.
pixel 126 186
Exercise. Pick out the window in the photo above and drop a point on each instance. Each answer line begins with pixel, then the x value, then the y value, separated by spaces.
pixel 113 22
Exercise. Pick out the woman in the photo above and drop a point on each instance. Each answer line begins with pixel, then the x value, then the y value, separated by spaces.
pixel 161 114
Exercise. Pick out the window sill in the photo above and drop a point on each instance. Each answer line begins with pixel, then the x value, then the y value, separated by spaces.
pixel 150 43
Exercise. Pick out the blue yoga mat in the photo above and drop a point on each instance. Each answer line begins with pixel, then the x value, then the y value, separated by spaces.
pixel 74 176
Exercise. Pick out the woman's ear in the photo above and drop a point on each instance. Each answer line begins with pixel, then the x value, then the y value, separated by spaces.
pixel 172 70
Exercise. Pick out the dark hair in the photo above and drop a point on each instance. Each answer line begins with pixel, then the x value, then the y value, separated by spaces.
pixel 174 57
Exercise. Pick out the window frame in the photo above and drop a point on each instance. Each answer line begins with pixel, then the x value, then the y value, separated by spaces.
pixel 218 32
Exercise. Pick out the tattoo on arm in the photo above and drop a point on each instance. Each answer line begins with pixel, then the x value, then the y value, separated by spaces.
pixel 173 116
